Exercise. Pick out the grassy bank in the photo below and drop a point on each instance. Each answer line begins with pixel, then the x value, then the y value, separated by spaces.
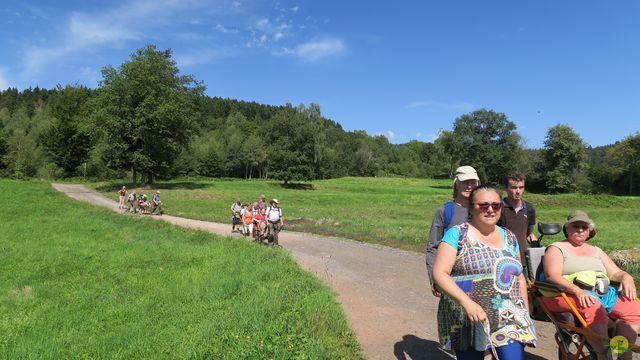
pixel 390 211
pixel 81 282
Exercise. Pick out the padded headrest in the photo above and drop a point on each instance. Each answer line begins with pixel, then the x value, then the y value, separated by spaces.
pixel 549 229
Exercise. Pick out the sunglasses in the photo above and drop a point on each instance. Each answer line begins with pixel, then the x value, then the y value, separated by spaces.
pixel 485 206
pixel 580 226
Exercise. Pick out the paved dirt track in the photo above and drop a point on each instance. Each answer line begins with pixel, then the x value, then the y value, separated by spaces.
pixel 382 290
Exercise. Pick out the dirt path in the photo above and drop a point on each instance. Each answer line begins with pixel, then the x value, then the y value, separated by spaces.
pixel 382 290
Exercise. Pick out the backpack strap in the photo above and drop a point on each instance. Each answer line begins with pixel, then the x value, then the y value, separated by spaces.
pixel 271 208
pixel 448 214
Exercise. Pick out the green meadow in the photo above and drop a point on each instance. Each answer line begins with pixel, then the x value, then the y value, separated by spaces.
pixel 390 211
pixel 83 282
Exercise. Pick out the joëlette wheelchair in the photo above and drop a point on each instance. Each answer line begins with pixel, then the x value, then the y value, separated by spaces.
pixel 571 328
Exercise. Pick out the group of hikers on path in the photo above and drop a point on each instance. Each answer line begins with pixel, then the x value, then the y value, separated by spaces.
pixel 139 204
pixel 258 221
pixel 475 262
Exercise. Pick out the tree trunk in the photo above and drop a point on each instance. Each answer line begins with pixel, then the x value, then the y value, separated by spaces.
pixel 148 178
pixel 134 174
pixel 631 182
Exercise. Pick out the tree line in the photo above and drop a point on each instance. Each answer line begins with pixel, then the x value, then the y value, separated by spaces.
pixel 147 121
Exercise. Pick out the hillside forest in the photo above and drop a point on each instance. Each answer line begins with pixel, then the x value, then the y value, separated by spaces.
pixel 146 121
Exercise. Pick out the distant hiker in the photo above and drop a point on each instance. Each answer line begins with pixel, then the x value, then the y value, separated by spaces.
pixel 262 203
pixel 247 220
pixel 156 204
pixel 274 222
pixel 450 214
pixel 143 203
pixel 518 215
pixel 236 208
pixel 260 224
pixel 123 195
pixel 131 200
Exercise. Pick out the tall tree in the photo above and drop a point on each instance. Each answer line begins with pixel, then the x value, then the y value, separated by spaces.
pixel 565 158
pixel 24 155
pixel 68 139
pixel 624 160
pixel 147 112
pixel 289 146
pixel 487 140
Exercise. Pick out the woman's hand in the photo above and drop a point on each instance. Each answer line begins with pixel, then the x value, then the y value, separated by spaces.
pixel 584 299
pixel 474 311
pixel 628 287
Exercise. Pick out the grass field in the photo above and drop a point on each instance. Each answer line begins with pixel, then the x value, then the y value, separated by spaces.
pixel 390 211
pixel 82 282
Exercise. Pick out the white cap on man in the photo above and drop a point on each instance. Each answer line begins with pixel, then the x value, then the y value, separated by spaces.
pixel 464 173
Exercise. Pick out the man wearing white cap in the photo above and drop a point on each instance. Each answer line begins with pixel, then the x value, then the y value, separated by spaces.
pixel 274 222
pixel 450 214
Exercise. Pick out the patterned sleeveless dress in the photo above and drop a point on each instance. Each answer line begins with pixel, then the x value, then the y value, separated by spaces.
pixel 490 277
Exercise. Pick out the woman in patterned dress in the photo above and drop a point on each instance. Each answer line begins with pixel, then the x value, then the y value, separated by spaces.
pixel 478 269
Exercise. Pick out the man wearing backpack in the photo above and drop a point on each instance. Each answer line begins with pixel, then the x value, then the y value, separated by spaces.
pixel 450 214
pixel 156 203
pixel 274 222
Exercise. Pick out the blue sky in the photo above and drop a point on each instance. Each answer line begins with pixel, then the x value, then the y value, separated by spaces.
pixel 404 69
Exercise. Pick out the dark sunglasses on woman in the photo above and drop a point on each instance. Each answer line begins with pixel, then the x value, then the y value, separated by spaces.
pixel 485 206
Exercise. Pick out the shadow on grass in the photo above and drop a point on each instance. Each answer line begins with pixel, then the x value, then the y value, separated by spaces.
pixel 297 186
pixel 167 186
pixel 188 185
pixel 415 348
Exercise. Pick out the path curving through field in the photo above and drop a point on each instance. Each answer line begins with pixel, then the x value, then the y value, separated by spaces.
pixel 383 291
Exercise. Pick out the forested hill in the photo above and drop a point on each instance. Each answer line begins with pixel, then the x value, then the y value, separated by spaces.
pixel 240 139
pixel 148 122
pixel 232 139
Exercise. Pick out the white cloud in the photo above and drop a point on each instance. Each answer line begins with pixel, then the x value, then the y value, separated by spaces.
pixel 263 24
pixel 190 36
pixel 201 57
pixel 85 32
pixel 316 50
pixel 390 135
pixel 458 105
pixel 225 30
pixel 418 135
